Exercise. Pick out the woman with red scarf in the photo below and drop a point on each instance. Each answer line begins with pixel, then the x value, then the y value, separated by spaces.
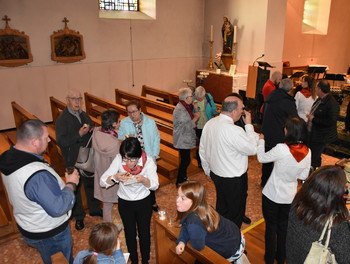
pixel 184 131
pixel 292 161
pixel 136 174
pixel 305 97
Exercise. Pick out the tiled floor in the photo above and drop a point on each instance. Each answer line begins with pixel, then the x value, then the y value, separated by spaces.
pixel 16 251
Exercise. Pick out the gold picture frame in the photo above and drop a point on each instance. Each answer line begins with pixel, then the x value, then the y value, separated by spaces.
pixel 67 45
pixel 14 47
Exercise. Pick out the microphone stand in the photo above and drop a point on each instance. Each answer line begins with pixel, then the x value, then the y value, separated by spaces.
pixel 258 58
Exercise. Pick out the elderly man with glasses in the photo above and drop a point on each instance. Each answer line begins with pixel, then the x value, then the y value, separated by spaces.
pixel 73 130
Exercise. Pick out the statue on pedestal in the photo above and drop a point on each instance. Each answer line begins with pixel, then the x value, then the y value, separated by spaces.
pixel 227 35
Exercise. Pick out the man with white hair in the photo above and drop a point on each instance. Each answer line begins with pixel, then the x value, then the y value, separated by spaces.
pixel 279 105
pixel 73 130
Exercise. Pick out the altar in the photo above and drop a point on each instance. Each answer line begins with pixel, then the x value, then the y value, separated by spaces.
pixel 221 84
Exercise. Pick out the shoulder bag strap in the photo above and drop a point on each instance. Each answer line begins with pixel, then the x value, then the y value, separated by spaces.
pixel 208 99
pixel 88 143
pixel 329 231
pixel 324 231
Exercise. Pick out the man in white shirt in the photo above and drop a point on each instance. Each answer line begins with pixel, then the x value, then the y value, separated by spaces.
pixel 224 150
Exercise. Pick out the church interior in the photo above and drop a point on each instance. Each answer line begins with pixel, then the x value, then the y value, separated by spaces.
pixel 147 56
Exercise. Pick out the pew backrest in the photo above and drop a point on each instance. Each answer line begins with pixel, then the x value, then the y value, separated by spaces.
pixel 171 98
pixel 53 152
pixel 57 107
pixel 96 105
pixel 149 106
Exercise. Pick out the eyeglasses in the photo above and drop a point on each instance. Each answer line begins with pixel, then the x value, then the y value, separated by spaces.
pixel 189 96
pixel 75 98
pixel 133 112
pixel 130 159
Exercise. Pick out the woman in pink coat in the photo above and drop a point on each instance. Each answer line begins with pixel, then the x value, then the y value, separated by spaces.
pixel 106 145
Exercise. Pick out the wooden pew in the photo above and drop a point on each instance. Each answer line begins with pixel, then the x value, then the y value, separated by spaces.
pixel 149 106
pixel 53 152
pixel 58 106
pixel 96 105
pixel 165 237
pixel 172 98
pixel 8 227
pixel 168 162
pixel 167 97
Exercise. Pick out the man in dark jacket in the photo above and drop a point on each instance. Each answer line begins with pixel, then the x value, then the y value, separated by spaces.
pixel 322 121
pixel 73 130
pixel 279 105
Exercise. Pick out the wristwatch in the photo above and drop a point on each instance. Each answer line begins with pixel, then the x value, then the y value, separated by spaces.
pixel 113 180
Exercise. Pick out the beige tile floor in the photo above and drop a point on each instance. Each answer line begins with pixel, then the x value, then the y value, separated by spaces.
pixel 16 251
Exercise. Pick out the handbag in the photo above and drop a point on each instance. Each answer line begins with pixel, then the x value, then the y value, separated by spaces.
pixel 85 160
pixel 320 253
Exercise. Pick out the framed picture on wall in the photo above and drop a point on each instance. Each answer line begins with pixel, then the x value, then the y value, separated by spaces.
pixel 14 47
pixel 67 45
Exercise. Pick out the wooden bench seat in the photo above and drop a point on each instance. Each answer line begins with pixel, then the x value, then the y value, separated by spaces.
pixel 149 106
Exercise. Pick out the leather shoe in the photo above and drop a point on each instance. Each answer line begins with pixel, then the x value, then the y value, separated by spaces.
pixel 246 220
pixel 79 225
pixel 155 208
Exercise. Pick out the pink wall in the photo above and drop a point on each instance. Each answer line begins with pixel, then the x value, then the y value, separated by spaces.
pixel 166 51
pixel 331 49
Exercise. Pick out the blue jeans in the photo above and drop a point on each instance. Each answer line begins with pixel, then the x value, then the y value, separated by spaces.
pixel 50 246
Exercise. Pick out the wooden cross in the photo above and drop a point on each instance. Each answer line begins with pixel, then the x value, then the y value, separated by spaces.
pixel 65 21
pixel 6 19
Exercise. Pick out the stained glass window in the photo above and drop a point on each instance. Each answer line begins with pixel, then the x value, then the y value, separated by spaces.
pixel 119 5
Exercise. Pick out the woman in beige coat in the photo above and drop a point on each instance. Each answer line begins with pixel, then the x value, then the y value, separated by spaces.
pixel 106 145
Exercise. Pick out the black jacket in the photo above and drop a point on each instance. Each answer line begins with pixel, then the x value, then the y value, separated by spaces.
pixel 324 123
pixel 279 105
pixel 67 134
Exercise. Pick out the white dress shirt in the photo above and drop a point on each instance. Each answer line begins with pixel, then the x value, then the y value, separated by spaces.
pixel 282 185
pixel 136 191
pixel 303 105
pixel 224 147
